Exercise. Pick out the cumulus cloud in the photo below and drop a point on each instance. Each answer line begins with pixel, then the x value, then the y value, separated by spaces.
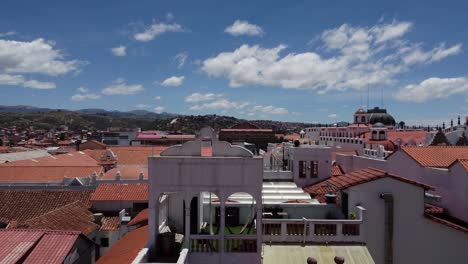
pixel 157 29
pixel 199 97
pixel 19 80
pixel 157 98
pixel 433 88
pixel 159 109
pixel 217 102
pixel 119 51
pixel 83 97
pixel 415 53
pixel 121 88
pixel 141 106
pixel 173 81
pixel 37 56
pixel 242 27
pixel 332 115
pixel 83 90
pixel 353 58
pixel 7 34
pixel 180 59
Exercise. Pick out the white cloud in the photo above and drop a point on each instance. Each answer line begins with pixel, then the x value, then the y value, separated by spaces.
pixel 433 88
pixel 157 29
pixel 180 59
pixel 159 109
pixel 7 34
pixel 173 81
pixel 18 80
pixel 39 85
pixel 119 51
pixel 38 56
pixel 270 110
pixel 83 97
pixel 216 102
pixel 141 106
pixel 83 90
pixel 220 104
pixel 157 98
pixel 416 55
pixel 169 16
pixel 199 97
pixel 332 115
pixel 354 58
pixel 242 27
pixel 121 88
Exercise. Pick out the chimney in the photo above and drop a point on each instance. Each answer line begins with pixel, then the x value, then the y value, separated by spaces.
pixel 93 178
pixel 141 176
pixel 339 260
pixel 311 260
pixel 330 198
pixel 98 218
pixel 117 176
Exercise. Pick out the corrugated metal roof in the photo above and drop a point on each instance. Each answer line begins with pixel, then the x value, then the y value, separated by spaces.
pixel 52 248
pixel 16 243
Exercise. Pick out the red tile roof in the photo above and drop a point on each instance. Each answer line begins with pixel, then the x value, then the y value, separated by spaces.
pixel 16 244
pixel 35 246
pixel 127 248
pixel 49 168
pixel 337 183
pixel 403 137
pixel 110 223
pixel 22 205
pixel 442 218
pixel 432 209
pixel 126 173
pixel 73 217
pixel 436 156
pixel 128 155
pixel 53 247
pixel 336 170
pixel 140 219
pixel 137 192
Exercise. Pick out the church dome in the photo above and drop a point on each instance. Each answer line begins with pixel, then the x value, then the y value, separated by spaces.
pixel 379 115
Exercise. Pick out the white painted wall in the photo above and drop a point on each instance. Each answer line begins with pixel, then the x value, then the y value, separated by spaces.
pixel 310 153
pixel 416 238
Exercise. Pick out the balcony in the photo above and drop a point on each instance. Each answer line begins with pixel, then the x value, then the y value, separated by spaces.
pixel 314 230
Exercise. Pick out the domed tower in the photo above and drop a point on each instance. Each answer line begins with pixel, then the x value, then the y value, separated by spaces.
pixel 380 115
pixel 360 116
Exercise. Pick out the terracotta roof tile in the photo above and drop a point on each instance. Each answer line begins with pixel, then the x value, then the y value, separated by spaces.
pixel 127 248
pixel 110 223
pixel 49 168
pixel 140 219
pixel 436 156
pixel 121 192
pixel 336 170
pixel 21 205
pixel 129 155
pixel 439 219
pixel 126 173
pixel 73 217
pixel 338 183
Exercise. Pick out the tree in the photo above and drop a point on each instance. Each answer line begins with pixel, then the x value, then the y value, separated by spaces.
pixel 462 141
pixel 62 136
pixel 440 139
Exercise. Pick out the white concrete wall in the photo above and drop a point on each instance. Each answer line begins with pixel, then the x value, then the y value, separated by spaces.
pixel 416 238
pixel 306 153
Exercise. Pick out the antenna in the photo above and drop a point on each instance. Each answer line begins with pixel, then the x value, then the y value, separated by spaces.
pixel 381 97
pixel 368 92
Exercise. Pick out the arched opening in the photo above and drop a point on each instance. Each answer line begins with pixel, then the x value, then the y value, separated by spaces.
pixel 240 214
pixel 204 214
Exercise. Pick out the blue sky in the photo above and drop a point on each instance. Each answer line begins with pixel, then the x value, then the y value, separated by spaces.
pixel 309 61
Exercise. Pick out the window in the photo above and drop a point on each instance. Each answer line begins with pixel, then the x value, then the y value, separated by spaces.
pixel 302 169
pixel 314 169
pixel 363 119
pixel 104 242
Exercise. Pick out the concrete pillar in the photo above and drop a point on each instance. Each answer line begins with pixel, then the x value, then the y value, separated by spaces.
pixel 187 201
pixel 222 222
pixel 258 201
pixel 153 217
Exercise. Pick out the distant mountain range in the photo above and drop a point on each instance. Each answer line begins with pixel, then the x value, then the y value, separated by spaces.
pixel 100 119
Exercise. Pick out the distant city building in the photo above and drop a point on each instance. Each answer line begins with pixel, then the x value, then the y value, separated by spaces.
pixel 247 132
